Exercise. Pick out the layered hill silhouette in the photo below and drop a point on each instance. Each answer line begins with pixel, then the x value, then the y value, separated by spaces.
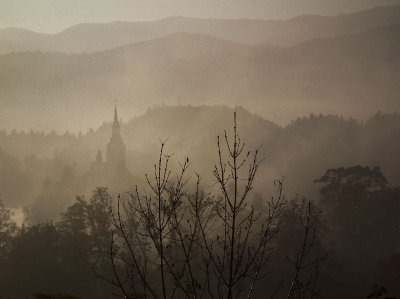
pixel 95 37
pixel 354 74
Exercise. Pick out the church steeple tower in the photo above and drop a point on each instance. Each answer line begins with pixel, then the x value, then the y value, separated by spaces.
pixel 116 147
pixel 115 125
pixel 115 114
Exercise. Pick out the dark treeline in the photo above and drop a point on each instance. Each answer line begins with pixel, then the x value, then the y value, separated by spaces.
pixel 342 243
pixel 356 240
pixel 57 257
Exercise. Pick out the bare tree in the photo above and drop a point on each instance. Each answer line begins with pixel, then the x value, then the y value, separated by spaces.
pixel 239 250
pixel 156 236
pixel 170 243
pixel 306 264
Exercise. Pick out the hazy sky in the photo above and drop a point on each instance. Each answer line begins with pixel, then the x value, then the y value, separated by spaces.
pixel 56 15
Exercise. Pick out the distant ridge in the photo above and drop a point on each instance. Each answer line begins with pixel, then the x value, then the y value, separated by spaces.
pixel 355 74
pixel 94 37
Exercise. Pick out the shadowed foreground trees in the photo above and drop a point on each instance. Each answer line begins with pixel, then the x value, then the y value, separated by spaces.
pixel 361 212
pixel 175 240
pixel 169 242
pixel 57 258
pixel 342 252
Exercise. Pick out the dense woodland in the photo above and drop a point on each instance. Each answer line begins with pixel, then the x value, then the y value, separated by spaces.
pixel 322 205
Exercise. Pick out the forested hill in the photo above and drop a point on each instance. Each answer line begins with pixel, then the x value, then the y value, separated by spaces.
pixel 300 152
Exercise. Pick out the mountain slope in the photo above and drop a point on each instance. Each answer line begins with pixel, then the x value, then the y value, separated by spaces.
pixel 351 75
pixel 95 37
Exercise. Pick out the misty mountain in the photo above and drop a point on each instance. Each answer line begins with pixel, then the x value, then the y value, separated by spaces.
pixel 354 75
pixel 95 37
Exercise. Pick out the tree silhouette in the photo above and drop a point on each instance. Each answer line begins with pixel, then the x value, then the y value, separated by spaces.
pixel 168 242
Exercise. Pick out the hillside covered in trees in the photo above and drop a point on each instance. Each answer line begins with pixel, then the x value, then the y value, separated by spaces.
pixel 347 170
pixel 35 162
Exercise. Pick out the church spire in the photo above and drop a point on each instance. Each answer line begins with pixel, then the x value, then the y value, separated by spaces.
pixel 116 147
pixel 115 114
pixel 115 125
